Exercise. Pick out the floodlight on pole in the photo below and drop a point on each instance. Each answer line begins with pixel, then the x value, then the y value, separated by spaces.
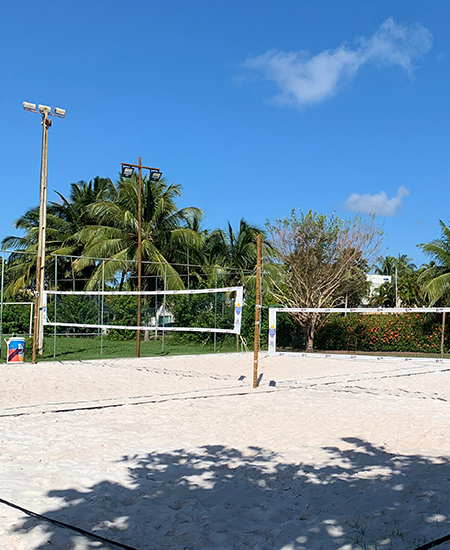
pixel 127 171
pixel 44 109
pixel 38 332
pixel 29 106
pixel 155 175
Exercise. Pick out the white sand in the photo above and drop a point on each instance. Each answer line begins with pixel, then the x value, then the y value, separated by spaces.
pixel 181 453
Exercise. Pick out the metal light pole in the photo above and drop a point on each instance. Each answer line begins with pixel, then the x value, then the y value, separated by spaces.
pixel 38 332
pixel 155 175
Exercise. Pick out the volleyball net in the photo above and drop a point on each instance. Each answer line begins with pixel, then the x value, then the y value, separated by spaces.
pixel 360 333
pixel 213 310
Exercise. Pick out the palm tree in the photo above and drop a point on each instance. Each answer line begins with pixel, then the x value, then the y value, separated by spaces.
pixel 403 271
pixel 232 254
pixel 63 221
pixel 391 265
pixel 385 266
pixel 383 296
pixel 436 277
pixel 113 235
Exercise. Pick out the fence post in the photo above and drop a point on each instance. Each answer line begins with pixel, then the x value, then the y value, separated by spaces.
pixel 164 307
pixel 156 308
pixel 188 282
pixel 56 288
pixel 102 304
pixel 215 308
pixel 1 302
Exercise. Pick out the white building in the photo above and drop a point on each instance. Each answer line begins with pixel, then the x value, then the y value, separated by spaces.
pixel 377 280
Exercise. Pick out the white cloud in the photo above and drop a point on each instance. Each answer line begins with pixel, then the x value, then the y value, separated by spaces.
pixel 378 204
pixel 304 79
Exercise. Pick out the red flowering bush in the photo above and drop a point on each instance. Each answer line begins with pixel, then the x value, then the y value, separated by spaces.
pixel 407 332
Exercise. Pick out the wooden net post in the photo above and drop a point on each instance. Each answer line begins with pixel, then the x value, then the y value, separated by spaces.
pixel 257 310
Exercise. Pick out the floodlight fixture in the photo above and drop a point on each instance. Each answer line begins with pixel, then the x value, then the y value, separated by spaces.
pixel 44 109
pixel 155 175
pixel 127 171
pixel 29 106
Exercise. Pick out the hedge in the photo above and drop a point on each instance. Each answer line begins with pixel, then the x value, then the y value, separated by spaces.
pixel 408 332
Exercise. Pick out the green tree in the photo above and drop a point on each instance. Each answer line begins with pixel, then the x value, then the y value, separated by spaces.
pixel 64 219
pixel 404 289
pixel 324 258
pixel 435 278
pixel 114 235
pixel 391 265
pixel 383 296
pixel 234 254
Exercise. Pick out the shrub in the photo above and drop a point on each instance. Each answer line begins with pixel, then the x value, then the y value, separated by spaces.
pixel 408 332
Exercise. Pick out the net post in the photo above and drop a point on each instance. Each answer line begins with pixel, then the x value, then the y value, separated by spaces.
pixel 257 310
pixel 215 309
pixel 156 308
pixel 55 298
pixel 1 302
pixel 164 308
pixel 101 307
pixel 442 334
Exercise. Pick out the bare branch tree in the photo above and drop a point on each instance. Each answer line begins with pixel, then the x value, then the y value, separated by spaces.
pixel 325 258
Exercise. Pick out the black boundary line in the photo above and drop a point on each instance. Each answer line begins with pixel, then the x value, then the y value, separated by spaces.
pixel 433 543
pixel 99 538
pixel 119 399
pixel 68 526
pixel 98 407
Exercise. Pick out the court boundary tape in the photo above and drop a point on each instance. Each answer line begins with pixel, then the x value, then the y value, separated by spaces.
pixel 79 530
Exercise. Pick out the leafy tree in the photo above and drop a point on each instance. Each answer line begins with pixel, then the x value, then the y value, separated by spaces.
pixel 383 296
pixel 391 265
pixel 234 254
pixel 114 232
pixel 436 277
pixel 324 258
pixel 63 221
pixel 16 316
pixel 76 309
pixel 404 288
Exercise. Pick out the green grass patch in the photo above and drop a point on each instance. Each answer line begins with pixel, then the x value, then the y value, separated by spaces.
pixel 69 348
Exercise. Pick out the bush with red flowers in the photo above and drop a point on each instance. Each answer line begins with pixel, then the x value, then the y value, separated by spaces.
pixel 407 332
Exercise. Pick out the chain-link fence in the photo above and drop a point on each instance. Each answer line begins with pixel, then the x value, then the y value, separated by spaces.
pixel 75 273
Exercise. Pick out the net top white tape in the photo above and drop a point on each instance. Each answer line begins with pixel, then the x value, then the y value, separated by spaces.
pixel 142 292
pixel 361 309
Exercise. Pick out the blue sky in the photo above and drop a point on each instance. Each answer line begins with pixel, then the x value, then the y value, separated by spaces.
pixel 254 106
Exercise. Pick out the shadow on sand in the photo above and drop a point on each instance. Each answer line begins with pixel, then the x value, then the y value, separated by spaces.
pixel 219 497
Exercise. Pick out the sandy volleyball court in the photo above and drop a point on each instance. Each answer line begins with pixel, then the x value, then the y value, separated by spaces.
pixel 181 453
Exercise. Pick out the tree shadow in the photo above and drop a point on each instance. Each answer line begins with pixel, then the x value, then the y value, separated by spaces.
pixel 220 497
